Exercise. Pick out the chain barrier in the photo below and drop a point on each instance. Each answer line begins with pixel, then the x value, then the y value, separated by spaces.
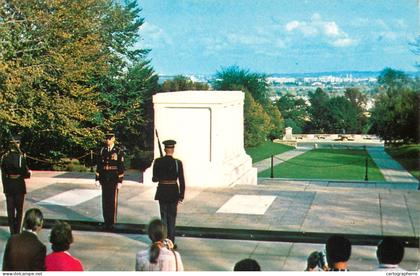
pixel 314 166
pixel 58 162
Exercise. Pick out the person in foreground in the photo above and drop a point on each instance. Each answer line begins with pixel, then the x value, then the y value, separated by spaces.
pixel 160 256
pixel 60 259
pixel 24 251
pixel 338 249
pixel 247 265
pixel 390 253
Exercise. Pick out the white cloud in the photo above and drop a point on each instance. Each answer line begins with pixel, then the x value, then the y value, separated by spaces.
pixel 154 36
pixel 331 29
pixel 309 30
pixel 314 26
pixel 343 42
pixel 317 26
pixel 246 39
pixel 292 25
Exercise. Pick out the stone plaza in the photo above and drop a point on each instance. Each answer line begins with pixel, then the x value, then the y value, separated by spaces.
pixel 279 223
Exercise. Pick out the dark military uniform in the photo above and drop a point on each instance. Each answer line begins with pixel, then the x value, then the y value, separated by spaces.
pixel 14 171
pixel 167 170
pixel 110 172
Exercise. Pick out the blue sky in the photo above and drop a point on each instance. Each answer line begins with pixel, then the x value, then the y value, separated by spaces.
pixel 279 36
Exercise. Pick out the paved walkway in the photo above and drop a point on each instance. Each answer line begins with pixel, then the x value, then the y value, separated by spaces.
pixel 272 206
pixel 279 158
pixel 391 169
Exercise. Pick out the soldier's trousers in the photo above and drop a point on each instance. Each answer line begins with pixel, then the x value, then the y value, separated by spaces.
pixel 168 212
pixel 109 203
pixel 14 204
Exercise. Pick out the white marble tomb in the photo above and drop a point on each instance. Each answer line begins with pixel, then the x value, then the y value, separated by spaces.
pixel 209 129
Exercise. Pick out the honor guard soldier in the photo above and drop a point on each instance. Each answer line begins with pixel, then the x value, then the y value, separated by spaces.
pixel 110 174
pixel 168 171
pixel 14 172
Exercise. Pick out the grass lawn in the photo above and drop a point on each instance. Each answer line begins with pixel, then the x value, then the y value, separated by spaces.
pixel 341 164
pixel 265 150
pixel 408 156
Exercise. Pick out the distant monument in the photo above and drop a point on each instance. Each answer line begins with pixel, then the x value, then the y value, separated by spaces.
pixel 288 135
pixel 209 129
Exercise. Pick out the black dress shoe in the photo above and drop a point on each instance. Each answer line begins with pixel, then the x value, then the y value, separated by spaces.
pixel 110 228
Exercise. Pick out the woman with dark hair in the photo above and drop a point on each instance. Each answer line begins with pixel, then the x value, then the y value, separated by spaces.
pixel 160 256
pixel 61 260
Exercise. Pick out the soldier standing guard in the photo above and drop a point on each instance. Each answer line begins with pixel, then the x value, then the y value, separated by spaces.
pixel 167 170
pixel 110 174
pixel 14 172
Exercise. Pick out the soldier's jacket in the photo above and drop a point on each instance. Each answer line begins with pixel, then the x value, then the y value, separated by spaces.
pixel 14 170
pixel 167 168
pixel 110 166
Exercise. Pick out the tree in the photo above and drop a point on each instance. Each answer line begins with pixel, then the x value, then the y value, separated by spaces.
pixel 276 122
pixel 358 102
pixel 256 130
pixel 134 120
pixel 317 111
pixel 395 116
pixel 341 115
pixel 180 83
pixel 415 48
pixel 393 78
pixel 48 65
pixel 255 83
pixel 294 111
pixel 62 69
pixel 256 122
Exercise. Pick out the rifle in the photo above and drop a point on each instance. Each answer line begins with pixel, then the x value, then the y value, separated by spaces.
pixel 160 146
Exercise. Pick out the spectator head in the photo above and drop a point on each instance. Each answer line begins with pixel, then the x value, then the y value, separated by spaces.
pixel 157 230
pixel 61 236
pixel 33 219
pixel 157 233
pixel 390 251
pixel 247 265
pixel 338 250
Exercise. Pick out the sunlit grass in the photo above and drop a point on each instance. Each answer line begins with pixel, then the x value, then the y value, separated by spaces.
pixel 408 156
pixel 340 164
pixel 265 150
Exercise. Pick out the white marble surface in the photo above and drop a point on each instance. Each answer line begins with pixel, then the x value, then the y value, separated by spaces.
pixel 208 128
pixel 71 198
pixel 247 204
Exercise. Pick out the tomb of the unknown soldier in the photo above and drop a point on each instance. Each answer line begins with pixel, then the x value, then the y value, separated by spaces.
pixel 208 128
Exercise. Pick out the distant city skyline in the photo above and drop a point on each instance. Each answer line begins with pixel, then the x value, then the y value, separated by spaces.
pixel 279 36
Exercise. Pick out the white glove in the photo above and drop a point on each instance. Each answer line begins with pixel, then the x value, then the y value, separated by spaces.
pixel 119 185
pixel 97 184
